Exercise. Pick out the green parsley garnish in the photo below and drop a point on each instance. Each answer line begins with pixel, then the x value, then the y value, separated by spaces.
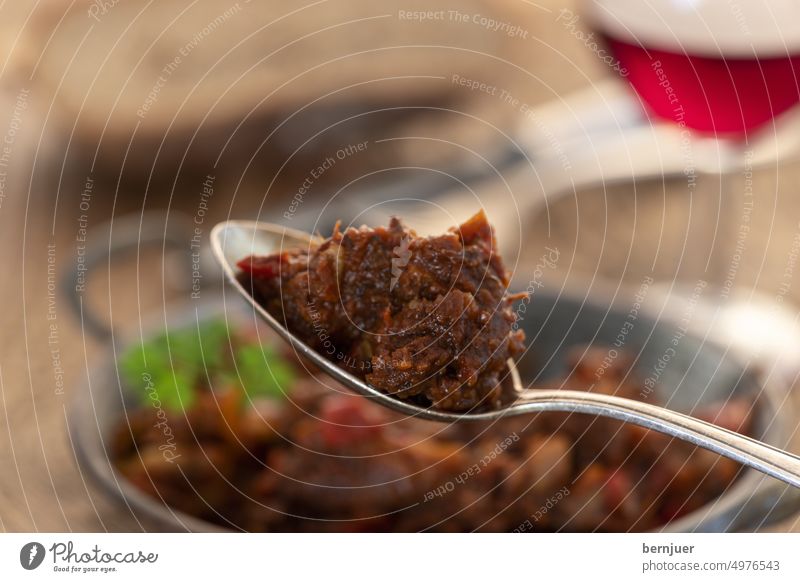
pixel 183 361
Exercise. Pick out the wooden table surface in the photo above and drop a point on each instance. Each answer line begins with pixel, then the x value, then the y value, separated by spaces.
pixel 611 236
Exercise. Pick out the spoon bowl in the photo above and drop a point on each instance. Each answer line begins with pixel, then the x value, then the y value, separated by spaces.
pixel 234 240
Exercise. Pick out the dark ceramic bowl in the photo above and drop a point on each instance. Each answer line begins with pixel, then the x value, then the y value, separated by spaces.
pixel 701 371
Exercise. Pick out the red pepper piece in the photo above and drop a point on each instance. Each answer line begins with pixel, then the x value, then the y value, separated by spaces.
pixel 262 267
pixel 347 422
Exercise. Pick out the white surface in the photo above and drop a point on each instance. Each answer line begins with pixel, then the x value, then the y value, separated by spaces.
pixel 706 27
pixel 404 557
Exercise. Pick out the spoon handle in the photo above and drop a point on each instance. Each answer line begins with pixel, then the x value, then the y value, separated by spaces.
pixel 750 452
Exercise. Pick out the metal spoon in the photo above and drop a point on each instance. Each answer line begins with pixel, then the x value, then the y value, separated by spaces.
pixel 233 240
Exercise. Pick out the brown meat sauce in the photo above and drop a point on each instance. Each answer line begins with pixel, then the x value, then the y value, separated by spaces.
pixel 426 319
pixel 324 459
